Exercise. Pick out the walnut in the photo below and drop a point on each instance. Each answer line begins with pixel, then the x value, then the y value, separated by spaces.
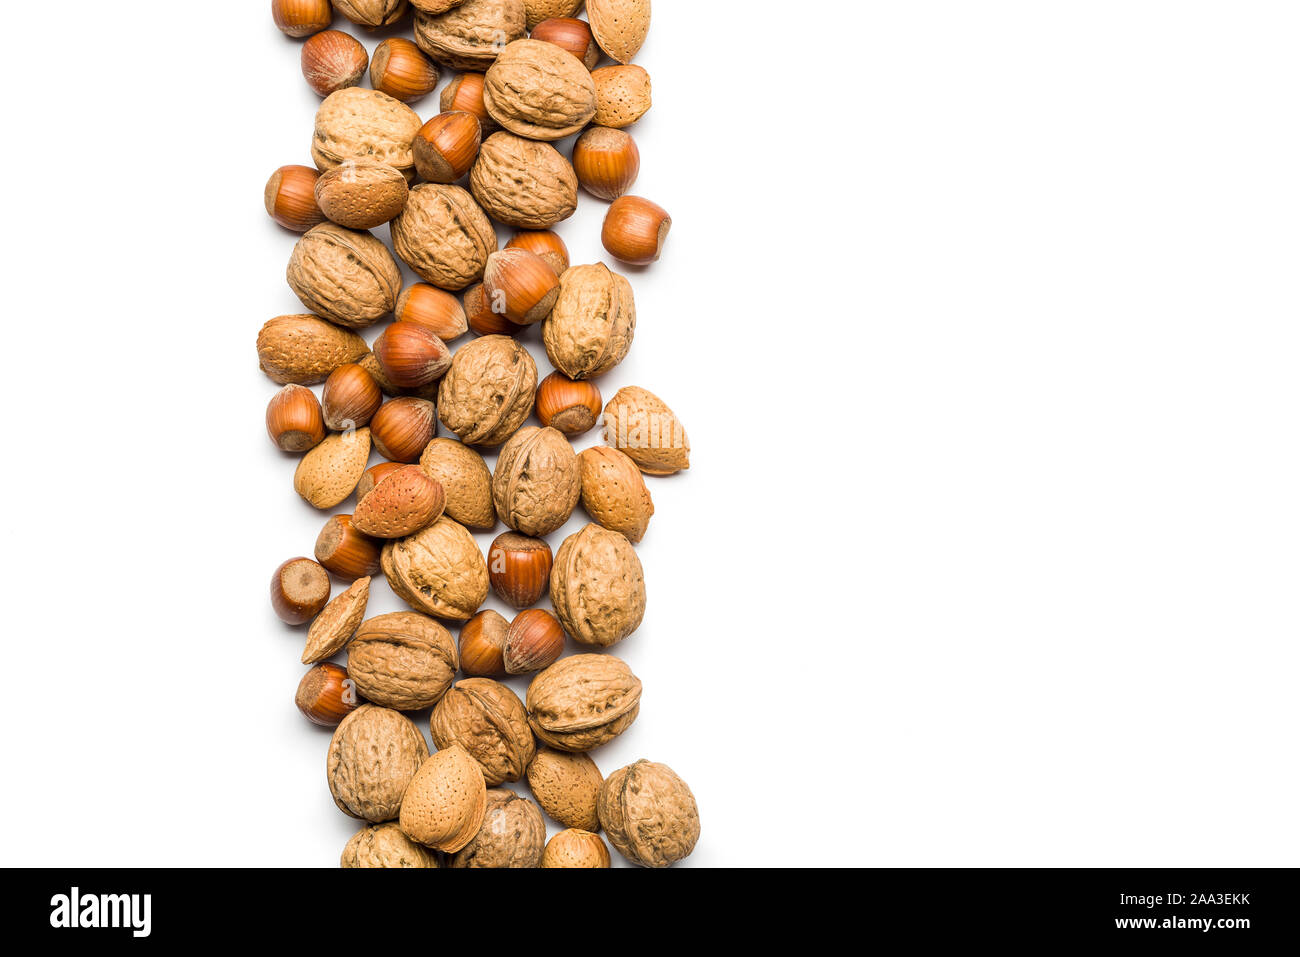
pixel 402 660
pixel 613 492
pixel 488 720
pixel 566 785
pixel 345 275
pixel 513 834
pixel 590 328
pixel 597 587
pixel 372 13
pixel 488 391
pixel 438 570
pixel 583 701
pixel 444 236
pixel 523 183
pixel 365 124
pixel 540 91
pixel 537 481
pixel 470 36
pixel 372 757
pixel 638 423
pixel 649 814
pixel 465 480
pixel 384 845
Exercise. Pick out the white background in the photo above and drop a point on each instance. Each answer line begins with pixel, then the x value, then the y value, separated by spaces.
pixel 982 319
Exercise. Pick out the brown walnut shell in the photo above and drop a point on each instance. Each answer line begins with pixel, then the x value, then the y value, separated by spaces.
pixel 465 481
pixel 345 275
pixel 372 758
pixel 444 804
pixel 384 845
pixel 537 481
pixel 438 570
pixel 590 328
pixel 444 236
pixel 488 391
pixel 540 91
pixel 469 36
pixel 371 13
pixel 523 183
pixel 488 720
pixel 640 424
pixel 649 814
pixel 597 587
pixel 567 786
pixel 305 349
pixel 403 660
pixel 614 493
pixel 583 701
pixel 357 124
pixel 513 834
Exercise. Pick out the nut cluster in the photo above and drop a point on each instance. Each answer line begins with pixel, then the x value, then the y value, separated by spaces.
pixel 521 698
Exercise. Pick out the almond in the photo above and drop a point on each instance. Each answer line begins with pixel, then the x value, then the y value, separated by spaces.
pixel 401 503
pixel 465 480
pixel 304 349
pixel 445 802
pixel 337 623
pixel 619 26
pixel 613 492
pixel 622 95
pixel 329 472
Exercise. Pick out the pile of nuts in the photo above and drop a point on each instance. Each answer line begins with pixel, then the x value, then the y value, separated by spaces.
pixel 524 74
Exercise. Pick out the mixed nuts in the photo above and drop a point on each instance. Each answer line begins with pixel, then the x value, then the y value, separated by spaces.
pixel 523 75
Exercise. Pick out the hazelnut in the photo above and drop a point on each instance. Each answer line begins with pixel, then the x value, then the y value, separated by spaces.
pixel 606 161
pixel 299 590
pixel 519 568
pixel 360 194
pixel 345 551
pixel 482 320
pixel 520 285
pixel 402 502
pixel 399 69
pixel 482 644
pixel 301 18
pixel 569 406
pixel 572 35
pixel 446 146
pixel 411 355
pixel 369 363
pixel 326 695
pixel 437 310
pixel 546 244
pixel 635 230
pixel 534 641
pixel 371 476
pixel 293 419
pixel 574 847
pixel 291 198
pixel 350 397
pixel 402 428
pixel 465 93
pixel 333 61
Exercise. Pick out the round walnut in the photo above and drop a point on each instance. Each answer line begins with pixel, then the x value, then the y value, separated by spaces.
pixel 438 570
pixel 597 587
pixel 590 328
pixel 443 235
pixel 402 660
pixel 345 275
pixel 537 481
pixel 357 124
pixel 488 391
pixel 575 847
pixel 649 814
pixel 469 36
pixel 465 480
pixel 540 91
pixel 372 757
pixel 371 13
pixel 488 720
pixel 513 834
pixel 384 845
pixel 583 701
pixel 444 804
pixel 566 785
pixel 523 183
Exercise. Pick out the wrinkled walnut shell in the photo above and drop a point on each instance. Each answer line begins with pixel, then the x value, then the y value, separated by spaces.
pixel 357 124
pixel 649 814
pixel 583 701
pixel 384 845
pixel 444 804
pixel 402 660
pixel 523 183
pixel 537 481
pixel 513 834
pixel 372 758
pixel 345 275
pixel 488 391
pixel 438 570
pixel 470 36
pixel 540 91
pixel 371 13
pixel 590 328
pixel 488 720
pixel 567 786
pixel 443 235
pixel 597 587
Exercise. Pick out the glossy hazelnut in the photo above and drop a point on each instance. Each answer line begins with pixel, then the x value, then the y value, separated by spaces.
pixel 326 695
pixel 411 355
pixel 571 34
pixel 544 243
pixel 346 552
pixel 519 568
pixel 400 69
pixel 293 419
pixel 569 406
pixel 299 590
pixel 535 640
pixel 635 230
pixel 482 320
pixel 520 286
pixel 332 61
pixel 606 161
pixel 350 397
pixel 482 645
pixel 301 18
pixel 290 198
pixel 445 147
pixel 465 94
pixel 435 309
pixel 403 427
